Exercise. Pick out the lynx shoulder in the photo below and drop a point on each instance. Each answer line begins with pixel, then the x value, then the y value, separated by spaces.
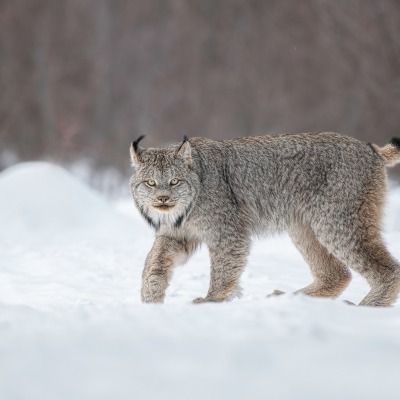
pixel 326 190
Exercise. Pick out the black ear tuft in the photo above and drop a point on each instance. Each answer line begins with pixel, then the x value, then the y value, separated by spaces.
pixel 185 139
pixel 395 142
pixel 136 151
pixel 135 143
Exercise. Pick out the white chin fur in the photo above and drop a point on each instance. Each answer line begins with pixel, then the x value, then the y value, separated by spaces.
pixel 165 217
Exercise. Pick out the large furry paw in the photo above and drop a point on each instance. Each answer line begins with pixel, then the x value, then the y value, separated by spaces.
pixel 147 297
pixel 153 290
pixel 199 300
pixel 275 293
pixel 153 300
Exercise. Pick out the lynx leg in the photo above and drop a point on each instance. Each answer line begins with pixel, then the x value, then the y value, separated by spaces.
pixel 369 256
pixel 331 277
pixel 227 263
pixel 164 255
pixel 357 242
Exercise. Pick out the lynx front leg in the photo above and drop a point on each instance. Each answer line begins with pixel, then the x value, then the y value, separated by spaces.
pixel 227 263
pixel 164 255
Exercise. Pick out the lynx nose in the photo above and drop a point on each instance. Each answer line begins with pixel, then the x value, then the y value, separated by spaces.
pixel 163 199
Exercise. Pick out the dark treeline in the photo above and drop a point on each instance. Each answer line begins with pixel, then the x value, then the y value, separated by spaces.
pixel 82 78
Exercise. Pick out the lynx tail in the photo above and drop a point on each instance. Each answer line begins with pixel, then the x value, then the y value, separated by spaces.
pixel 390 153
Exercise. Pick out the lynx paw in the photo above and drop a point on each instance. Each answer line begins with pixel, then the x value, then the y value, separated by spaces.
pixel 149 298
pixel 153 290
pixel 199 300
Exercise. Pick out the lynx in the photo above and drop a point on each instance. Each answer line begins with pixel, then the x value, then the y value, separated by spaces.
pixel 325 189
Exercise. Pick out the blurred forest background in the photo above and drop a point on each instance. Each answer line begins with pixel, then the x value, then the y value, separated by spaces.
pixel 80 79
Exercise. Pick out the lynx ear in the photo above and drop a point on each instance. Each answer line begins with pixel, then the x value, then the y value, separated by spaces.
pixel 136 151
pixel 185 151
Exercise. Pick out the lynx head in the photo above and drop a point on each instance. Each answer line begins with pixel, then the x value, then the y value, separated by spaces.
pixel 164 185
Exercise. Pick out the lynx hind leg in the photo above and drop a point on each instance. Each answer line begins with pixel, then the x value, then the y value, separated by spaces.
pixel 358 243
pixel 366 253
pixel 331 276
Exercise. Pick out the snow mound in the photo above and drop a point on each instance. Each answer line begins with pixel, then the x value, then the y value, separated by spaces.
pixel 62 244
pixel 41 201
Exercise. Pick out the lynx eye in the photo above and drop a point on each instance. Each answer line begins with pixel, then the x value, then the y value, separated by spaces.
pixel 174 181
pixel 151 182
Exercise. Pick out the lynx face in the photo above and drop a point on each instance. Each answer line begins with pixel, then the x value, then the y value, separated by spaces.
pixel 164 186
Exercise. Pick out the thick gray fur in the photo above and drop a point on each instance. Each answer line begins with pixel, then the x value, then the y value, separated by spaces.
pixel 327 190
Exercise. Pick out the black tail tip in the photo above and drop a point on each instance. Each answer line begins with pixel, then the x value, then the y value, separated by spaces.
pixel 395 142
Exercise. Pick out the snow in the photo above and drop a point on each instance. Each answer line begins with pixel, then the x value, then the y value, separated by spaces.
pixel 72 325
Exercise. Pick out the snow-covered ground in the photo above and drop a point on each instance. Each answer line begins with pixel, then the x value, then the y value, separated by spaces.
pixel 72 325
